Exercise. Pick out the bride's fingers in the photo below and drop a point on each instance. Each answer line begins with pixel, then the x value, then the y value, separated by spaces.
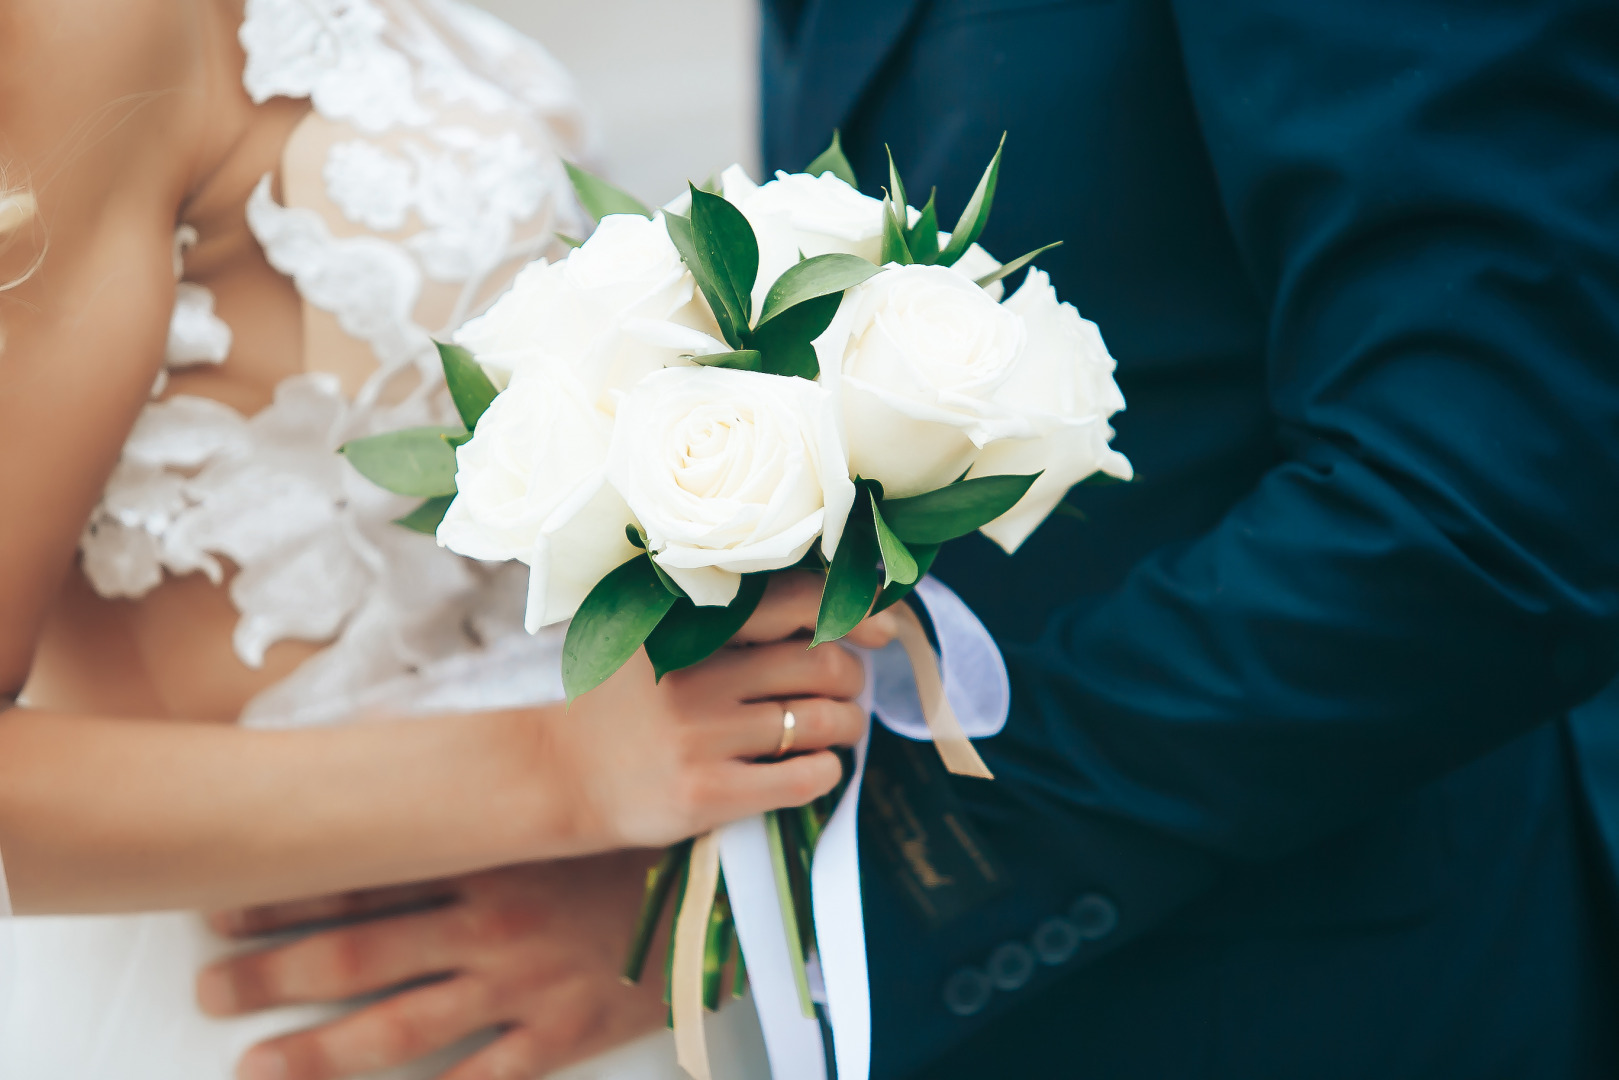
pixel 394 1031
pixel 272 918
pixel 783 669
pixel 757 730
pixel 335 964
pixel 518 1052
pixel 791 605
pixel 794 781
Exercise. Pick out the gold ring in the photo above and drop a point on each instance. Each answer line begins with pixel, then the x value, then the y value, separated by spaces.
pixel 789 729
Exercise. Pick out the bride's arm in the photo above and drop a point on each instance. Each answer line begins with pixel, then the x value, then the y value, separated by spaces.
pixel 107 815
pixel 102 119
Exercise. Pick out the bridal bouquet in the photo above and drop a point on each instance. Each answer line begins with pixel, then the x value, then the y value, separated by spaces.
pixel 756 378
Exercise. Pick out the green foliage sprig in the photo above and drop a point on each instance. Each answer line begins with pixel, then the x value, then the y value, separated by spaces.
pixel 908 244
pixel 421 461
pixel 722 253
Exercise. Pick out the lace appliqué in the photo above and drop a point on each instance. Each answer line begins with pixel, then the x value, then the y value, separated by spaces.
pixel 443 100
pixel 455 121
pixel 370 284
pixel 331 52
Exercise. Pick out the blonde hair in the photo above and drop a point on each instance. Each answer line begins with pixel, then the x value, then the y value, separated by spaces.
pixel 18 210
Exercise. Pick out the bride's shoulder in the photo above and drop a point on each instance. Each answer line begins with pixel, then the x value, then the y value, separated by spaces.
pixel 80 46
pixel 77 73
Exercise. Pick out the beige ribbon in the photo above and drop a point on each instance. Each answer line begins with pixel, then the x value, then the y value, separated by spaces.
pixel 691 943
pixel 954 748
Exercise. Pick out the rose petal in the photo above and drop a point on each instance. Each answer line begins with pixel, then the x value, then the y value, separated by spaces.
pixel 1065 454
pixel 570 559
pixel 707 586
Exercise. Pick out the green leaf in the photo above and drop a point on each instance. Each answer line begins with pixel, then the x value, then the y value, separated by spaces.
pixel 426 517
pixel 923 238
pixel 635 537
pixel 741 359
pixel 416 461
pixel 852 579
pixel 955 510
pixel 976 214
pixel 711 276
pixel 896 186
pixel 668 582
pixel 611 624
pixel 894 248
pixel 680 232
pixel 689 634
pixel 1015 265
pixel 832 160
pixel 898 564
pixel 787 340
pixel 569 241
pixel 470 388
pixel 893 594
pixel 823 275
pixel 726 237
pixel 599 198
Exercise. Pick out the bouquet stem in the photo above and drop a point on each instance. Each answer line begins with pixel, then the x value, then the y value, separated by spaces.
pixel 717 947
pixel 660 882
pixel 789 899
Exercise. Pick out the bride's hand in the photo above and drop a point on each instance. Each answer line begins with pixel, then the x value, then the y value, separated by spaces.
pixel 649 763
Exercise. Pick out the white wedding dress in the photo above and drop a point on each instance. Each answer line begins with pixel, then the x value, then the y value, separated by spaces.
pixel 425 174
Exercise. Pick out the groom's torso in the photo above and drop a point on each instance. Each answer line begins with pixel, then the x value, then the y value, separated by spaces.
pixel 1103 154
pixel 1370 933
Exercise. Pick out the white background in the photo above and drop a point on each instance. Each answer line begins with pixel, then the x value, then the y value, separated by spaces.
pixel 673 84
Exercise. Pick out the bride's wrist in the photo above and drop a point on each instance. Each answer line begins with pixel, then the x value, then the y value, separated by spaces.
pixel 535 796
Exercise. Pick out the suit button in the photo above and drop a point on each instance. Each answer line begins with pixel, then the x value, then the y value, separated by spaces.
pixel 967 992
pixel 1055 941
pixel 1010 966
pixel 1094 916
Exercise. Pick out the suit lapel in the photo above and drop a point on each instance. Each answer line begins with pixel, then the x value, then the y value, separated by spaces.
pixel 842 45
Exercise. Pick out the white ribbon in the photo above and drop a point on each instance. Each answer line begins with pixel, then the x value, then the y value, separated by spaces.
pixel 976 687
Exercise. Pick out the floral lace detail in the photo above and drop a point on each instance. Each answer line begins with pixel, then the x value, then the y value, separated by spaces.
pixel 441 131
pixel 331 52
pixel 371 285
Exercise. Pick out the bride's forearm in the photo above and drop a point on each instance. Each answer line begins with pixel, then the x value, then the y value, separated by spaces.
pixel 120 815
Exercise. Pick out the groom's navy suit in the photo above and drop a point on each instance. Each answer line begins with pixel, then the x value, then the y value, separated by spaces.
pixel 1290 711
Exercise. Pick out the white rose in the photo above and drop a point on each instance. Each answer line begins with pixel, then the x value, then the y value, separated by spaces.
pixel 1063 383
pixel 619 306
pixel 796 212
pixel 729 472
pixel 975 263
pixel 915 356
pixel 532 486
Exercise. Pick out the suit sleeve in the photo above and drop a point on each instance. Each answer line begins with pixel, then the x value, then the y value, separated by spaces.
pixel 1423 193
